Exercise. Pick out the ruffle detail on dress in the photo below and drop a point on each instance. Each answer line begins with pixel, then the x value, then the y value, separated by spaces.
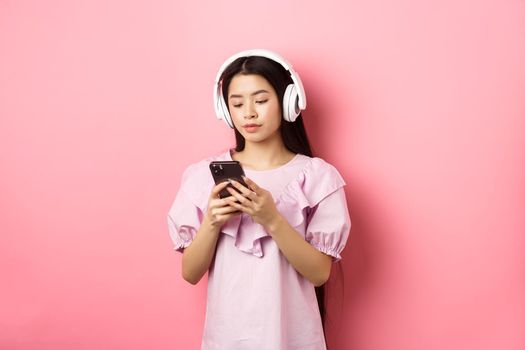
pixel 314 182
pixel 247 234
pixel 186 234
pixel 328 243
pixel 318 180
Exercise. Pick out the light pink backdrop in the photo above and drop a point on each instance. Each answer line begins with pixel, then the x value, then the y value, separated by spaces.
pixel 419 104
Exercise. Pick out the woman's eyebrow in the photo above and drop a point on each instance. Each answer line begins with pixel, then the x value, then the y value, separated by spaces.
pixel 255 93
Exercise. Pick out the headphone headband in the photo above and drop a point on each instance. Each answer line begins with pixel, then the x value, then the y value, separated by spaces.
pixel 217 94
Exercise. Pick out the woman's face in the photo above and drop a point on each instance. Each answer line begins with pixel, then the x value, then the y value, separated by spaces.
pixel 254 107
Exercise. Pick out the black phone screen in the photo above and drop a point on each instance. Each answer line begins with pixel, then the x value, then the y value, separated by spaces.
pixel 224 171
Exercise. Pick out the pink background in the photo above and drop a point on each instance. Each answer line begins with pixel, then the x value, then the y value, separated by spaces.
pixel 419 104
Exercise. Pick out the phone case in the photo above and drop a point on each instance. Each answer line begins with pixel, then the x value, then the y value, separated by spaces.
pixel 225 170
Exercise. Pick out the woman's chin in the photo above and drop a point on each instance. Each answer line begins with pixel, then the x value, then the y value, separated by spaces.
pixel 254 138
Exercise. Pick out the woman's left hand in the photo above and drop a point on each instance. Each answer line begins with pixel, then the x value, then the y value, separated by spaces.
pixel 254 201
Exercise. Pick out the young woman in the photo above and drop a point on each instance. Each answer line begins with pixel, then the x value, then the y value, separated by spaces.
pixel 269 245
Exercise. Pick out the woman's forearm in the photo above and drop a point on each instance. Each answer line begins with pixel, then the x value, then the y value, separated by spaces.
pixel 198 255
pixel 306 259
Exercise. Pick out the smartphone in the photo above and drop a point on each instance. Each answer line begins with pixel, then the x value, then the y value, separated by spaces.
pixel 224 171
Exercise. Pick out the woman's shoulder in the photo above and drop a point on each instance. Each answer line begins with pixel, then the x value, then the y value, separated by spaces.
pixel 198 172
pixel 317 166
pixel 316 180
pixel 197 181
pixel 317 174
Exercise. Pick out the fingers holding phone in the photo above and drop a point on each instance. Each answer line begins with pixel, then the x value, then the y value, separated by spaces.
pixel 219 210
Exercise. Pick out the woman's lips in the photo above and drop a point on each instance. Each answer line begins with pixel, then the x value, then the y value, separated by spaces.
pixel 251 127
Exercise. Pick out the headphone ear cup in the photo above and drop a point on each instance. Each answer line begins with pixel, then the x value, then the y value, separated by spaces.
pixel 290 103
pixel 224 112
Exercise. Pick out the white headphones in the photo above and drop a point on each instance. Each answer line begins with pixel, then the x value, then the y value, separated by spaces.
pixel 294 99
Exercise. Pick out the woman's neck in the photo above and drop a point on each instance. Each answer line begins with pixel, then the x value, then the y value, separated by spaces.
pixel 264 155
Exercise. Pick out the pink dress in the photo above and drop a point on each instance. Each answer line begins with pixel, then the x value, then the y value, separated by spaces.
pixel 256 299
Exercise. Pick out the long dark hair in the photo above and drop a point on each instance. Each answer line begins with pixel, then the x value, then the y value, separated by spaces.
pixel 293 134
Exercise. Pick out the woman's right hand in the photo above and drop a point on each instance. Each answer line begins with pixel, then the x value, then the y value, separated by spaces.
pixel 219 210
pixel 198 255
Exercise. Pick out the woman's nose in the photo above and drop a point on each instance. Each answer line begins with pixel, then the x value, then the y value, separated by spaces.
pixel 249 112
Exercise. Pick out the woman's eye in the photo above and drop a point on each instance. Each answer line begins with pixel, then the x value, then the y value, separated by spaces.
pixel 237 105
pixel 261 102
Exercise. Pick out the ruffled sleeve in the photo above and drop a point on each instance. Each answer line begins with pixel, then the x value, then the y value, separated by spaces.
pixel 187 210
pixel 315 204
pixel 329 224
